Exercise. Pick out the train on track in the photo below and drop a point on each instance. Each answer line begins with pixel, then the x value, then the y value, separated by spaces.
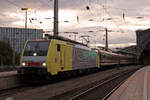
pixel 45 58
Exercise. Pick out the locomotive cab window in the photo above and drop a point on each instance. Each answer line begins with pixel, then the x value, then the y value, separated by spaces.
pixel 38 48
pixel 58 47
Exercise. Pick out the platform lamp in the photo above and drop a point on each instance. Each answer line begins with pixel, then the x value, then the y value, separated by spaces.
pixel 26 15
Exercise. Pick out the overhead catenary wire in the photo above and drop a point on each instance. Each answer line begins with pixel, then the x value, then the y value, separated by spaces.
pixel 19 7
pixel 112 19
pixel 90 3
pixel 14 4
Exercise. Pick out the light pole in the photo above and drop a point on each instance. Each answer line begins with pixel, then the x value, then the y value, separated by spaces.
pixel 56 32
pixel 106 43
pixel 26 15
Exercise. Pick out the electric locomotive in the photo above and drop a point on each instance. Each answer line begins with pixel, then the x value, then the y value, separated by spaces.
pixel 41 59
pixel 51 57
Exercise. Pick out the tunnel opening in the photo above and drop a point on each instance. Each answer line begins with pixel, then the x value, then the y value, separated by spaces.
pixel 146 57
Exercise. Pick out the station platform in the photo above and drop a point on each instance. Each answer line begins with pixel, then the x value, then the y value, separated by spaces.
pixel 137 87
pixel 9 73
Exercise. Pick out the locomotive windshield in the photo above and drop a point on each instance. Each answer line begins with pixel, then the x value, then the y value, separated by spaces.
pixel 36 48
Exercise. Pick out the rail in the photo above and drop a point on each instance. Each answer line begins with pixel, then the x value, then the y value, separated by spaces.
pixel 88 91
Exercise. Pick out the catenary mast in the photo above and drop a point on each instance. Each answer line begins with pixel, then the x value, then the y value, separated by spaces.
pixel 55 27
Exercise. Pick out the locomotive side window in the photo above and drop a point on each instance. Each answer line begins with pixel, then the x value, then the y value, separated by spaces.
pixel 58 47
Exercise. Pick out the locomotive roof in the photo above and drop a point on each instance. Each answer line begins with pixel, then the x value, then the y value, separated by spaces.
pixel 39 40
pixel 63 39
pixel 74 43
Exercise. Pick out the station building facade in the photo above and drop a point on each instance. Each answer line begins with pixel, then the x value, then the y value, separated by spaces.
pixel 17 37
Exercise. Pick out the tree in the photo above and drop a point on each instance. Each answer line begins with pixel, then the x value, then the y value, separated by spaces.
pixel 6 53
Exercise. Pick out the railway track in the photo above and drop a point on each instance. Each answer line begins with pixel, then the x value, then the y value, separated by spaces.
pixel 67 89
pixel 104 89
pixel 74 93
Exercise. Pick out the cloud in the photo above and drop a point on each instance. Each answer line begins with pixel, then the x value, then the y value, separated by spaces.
pixel 101 14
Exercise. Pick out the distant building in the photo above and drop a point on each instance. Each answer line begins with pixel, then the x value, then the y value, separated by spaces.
pixel 143 46
pixel 129 50
pixel 18 36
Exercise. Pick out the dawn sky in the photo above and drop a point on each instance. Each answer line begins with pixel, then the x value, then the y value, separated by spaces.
pixel 87 17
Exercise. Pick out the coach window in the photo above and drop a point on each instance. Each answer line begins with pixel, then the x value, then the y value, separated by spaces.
pixel 58 47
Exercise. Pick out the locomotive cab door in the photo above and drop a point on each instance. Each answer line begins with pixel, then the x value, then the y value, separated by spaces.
pixel 62 56
pixel 65 57
pixel 61 50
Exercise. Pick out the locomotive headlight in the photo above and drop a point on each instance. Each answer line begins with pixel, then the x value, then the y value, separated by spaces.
pixel 44 64
pixel 35 54
pixel 23 64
